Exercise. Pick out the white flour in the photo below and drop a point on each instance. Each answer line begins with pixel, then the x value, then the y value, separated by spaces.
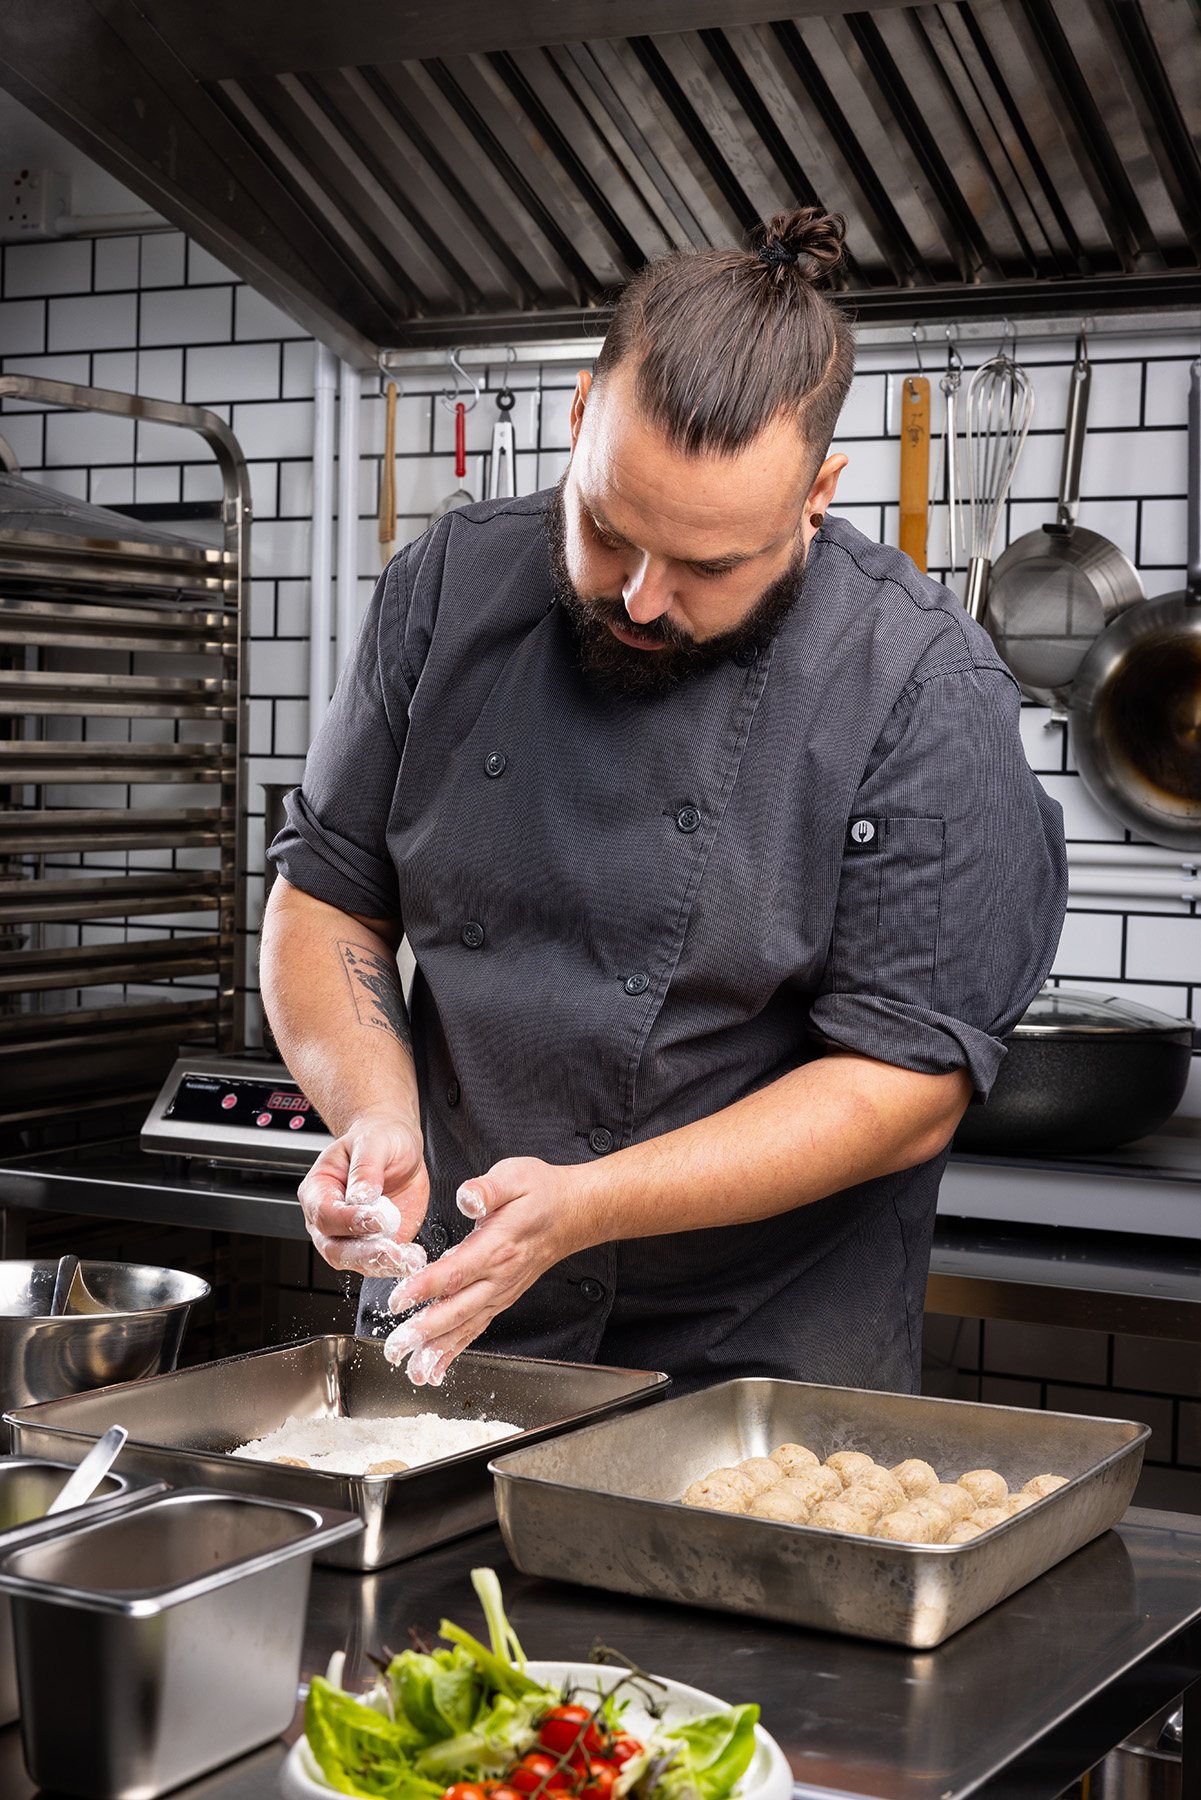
pixel 350 1446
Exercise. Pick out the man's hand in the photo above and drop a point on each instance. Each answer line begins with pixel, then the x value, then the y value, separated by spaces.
pixel 365 1197
pixel 523 1210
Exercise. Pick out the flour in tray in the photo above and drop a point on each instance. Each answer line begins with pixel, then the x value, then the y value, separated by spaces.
pixel 342 1446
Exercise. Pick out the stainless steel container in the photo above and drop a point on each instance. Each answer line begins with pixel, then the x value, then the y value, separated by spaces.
pixel 157 1644
pixel 137 1334
pixel 182 1426
pixel 27 1488
pixel 602 1506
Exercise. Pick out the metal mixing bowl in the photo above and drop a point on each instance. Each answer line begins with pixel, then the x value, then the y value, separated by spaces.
pixel 139 1333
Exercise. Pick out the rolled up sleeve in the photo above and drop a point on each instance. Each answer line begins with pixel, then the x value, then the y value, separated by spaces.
pixel 950 908
pixel 334 845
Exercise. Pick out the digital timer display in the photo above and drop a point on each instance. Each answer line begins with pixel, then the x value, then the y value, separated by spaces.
pixel 281 1102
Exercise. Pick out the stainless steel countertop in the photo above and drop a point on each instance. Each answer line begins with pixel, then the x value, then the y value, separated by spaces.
pixel 1014 1707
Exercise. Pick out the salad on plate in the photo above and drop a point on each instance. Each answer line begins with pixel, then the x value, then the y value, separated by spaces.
pixel 475 1721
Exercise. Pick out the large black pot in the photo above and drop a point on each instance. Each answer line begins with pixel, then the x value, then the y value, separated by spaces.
pixel 1084 1072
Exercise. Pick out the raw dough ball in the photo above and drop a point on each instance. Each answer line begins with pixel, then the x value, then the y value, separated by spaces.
pixel 963 1533
pixel 957 1500
pixel 1042 1485
pixel 988 1516
pixel 869 1502
pixel 905 1526
pixel 836 1515
pixel 776 1503
pixel 762 1471
pixel 1017 1503
pixel 916 1477
pixel 938 1516
pixel 394 1467
pixel 293 1462
pixel 885 1483
pixel 790 1459
pixel 723 1490
pixel 816 1484
pixel 985 1486
pixel 847 1464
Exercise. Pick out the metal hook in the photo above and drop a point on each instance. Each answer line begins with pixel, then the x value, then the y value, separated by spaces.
pixel 954 375
pixel 450 396
pixel 506 399
pixel 917 349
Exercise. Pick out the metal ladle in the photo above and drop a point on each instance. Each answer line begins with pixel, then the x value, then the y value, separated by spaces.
pixel 91 1472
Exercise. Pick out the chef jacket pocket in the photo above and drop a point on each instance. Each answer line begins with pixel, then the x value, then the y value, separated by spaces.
pixel 889 904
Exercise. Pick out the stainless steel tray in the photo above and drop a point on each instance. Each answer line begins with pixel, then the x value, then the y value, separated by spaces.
pixel 182 1425
pixel 601 1506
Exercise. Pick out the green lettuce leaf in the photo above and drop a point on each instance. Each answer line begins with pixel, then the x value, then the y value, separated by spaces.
pixel 359 1751
pixel 715 1752
pixel 440 1695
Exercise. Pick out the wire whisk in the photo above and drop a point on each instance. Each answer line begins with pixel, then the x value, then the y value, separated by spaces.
pixel 1000 402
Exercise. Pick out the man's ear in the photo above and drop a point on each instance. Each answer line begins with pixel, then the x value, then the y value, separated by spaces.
pixel 583 385
pixel 821 494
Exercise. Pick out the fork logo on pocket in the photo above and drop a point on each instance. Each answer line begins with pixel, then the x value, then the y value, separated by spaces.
pixel 863 834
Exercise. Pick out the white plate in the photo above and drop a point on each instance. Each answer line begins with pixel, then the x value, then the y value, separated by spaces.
pixel 768 1778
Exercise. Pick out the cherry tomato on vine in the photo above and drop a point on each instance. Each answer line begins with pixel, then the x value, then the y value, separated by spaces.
pixel 599 1785
pixel 499 1790
pixel 623 1748
pixel 561 1729
pixel 534 1769
pixel 465 1790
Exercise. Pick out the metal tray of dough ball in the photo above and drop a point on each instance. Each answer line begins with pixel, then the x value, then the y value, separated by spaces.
pixel 182 1427
pixel 602 1506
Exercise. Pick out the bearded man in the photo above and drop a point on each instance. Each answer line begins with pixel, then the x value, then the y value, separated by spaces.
pixel 708 824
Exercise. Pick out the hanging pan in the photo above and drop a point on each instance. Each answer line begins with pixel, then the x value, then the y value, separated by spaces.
pixel 1056 588
pixel 1136 701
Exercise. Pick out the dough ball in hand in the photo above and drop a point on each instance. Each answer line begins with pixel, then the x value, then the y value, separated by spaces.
pixel 957 1501
pixel 722 1490
pixel 847 1464
pixel 916 1477
pixel 868 1501
pixel 885 1484
pixel 787 1508
pixel 838 1515
pixel 761 1471
pixel 905 1526
pixel 986 1487
pixel 963 1532
pixel 1042 1485
pixel 790 1459
pixel 988 1516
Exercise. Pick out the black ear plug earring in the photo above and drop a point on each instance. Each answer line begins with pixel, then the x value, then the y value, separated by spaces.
pixel 817 520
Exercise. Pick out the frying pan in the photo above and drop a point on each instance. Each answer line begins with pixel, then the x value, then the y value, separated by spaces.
pixel 1136 701
pixel 1056 588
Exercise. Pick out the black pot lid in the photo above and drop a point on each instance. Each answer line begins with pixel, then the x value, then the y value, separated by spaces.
pixel 1075 1012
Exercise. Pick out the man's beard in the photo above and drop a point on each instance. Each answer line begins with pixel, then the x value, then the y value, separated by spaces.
pixel 649 674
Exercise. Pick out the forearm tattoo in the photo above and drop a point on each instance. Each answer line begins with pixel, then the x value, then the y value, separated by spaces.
pixel 375 989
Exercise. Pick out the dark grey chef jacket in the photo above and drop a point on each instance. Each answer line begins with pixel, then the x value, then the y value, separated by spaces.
pixel 628 913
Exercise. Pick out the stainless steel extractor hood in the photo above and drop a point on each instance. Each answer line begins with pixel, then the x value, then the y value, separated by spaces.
pixel 400 174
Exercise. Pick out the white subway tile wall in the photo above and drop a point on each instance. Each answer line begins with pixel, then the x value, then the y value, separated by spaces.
pixel 160 316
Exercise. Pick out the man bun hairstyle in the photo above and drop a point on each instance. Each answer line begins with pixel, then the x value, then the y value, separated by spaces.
pixel 727 341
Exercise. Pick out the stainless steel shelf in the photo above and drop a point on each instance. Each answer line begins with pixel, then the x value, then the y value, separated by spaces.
pixel 111 897
pixel 107 965
pixel 71 764
pixel 33 831
pixel 99 626
pixel 50 694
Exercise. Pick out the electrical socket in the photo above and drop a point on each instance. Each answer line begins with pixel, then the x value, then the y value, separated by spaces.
pixel 34 200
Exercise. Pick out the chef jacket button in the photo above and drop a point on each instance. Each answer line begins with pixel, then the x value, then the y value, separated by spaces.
pixel 591 1290
pixel 452 1093
pixel 637 984
pixel 745 655
pixel 472 934
pixel 494 763
pixel 438 1237
pixel 600 1139
pixel 688 818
